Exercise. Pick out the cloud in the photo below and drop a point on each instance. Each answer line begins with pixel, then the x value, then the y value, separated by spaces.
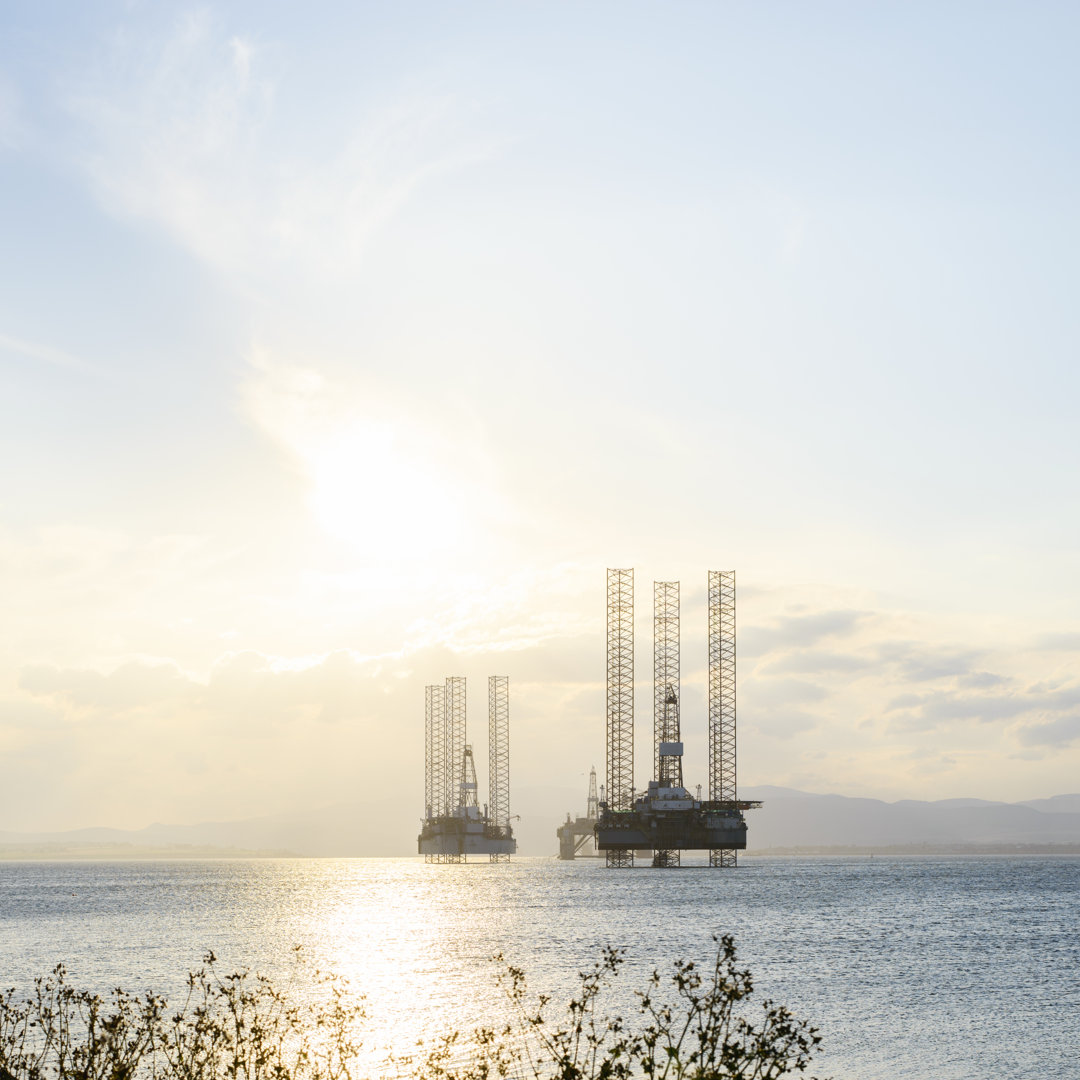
pixel 171 130
pixel 798 631
pixel 920 663
pixel 983 680
pixel 905 701
pixel 48 354
pixel 280 730
pixel 253 691
pixel 246 684
pixel 772 693
pixel 775 706
pixel 267 690
pixel 1059 642
pixel 133 685
pixel 1063 731
pixel 946 707
pixel 783 724
pixel 184 129
pixel 820 661
pixel 30 716
pixel 940 709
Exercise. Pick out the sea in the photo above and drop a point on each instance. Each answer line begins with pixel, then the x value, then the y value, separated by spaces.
pixel 922 968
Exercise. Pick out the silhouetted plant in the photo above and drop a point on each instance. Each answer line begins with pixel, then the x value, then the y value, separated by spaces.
pixel 62 1032
pixel 237 1026
pixel 241 1027
pixel 691 1027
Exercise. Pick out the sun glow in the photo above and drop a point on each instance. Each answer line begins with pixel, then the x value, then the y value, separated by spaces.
pixel 388 492
pixel 391 484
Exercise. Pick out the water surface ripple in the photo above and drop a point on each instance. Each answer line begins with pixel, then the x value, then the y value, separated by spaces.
pixel 922 968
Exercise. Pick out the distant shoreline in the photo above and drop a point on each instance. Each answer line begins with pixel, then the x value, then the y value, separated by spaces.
pixel 920 849
pixel 180 852
pixel 130 853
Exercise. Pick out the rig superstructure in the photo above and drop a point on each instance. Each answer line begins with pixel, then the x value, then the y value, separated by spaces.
pixel 577 837
pixel 455 826
pixel 666 818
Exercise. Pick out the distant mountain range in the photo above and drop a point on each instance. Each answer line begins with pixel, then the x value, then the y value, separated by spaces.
pixel 789 820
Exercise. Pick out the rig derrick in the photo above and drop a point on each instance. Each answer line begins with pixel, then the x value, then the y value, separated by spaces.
pixel 455 825
pixel 666 818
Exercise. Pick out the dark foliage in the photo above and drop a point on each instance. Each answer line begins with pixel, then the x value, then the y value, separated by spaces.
pixel 691 1025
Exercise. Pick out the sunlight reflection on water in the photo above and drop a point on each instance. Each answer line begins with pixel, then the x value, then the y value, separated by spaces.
pixel 929 968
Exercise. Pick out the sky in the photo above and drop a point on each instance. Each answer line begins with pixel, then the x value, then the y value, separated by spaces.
pixel 344 348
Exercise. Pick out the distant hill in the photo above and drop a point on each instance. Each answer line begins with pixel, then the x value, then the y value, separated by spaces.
pixel 356 829
pixel 789 820
pixel 343 829
pixel 1059 804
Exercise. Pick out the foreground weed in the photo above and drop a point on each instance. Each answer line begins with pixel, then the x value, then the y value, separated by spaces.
pixel 690 1025
pixel 229 1027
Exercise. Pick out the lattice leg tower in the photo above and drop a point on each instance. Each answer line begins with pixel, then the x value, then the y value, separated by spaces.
pixel 434 734
pixel 620 699
pixel 667 767
pixel 499 757
pixel 722 786
pixel 453 749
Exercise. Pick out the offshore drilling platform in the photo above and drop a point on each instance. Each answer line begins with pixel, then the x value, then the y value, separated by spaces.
pixel 454 825
pixel 577 837
pixel 666 819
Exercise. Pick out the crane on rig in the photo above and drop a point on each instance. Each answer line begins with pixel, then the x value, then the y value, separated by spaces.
pixel 455 826
pixel 666 819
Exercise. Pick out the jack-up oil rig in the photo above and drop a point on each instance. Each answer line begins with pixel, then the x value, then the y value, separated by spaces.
pixel 667 819
pixel 577 838
pixel 454 825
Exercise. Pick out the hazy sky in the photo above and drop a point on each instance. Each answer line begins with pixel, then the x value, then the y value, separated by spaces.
pixel 343 348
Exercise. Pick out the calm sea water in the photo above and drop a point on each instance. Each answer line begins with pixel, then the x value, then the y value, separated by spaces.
pixel 916 968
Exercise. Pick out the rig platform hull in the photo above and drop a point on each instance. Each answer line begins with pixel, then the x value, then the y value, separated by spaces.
pixel 459 836
pixel 683 832
pixel 667 819
pixel 577 839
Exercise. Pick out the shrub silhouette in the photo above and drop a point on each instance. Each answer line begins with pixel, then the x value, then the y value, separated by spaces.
pixel 237 1026
pixel 691 1025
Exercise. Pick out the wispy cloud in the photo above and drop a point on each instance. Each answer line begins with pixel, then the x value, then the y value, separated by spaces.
pixel 134 684
pixel 798 631
pixel 22 715
pixel 865 670
pixel 184 130
pixel 33 350
pixel 927 663
pixel 820 661
pixel 943 708
pixel 1068 642
pixel 1060 732
pixel 778 707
